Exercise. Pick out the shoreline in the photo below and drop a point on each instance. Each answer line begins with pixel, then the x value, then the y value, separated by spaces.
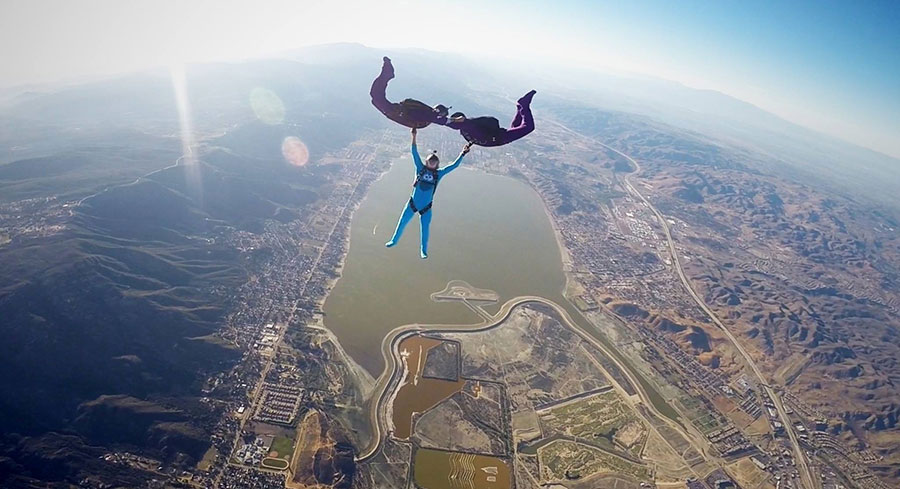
pixel 364 381
pixel 363 375
pixel 564 255
pixel 385 380
pixel 376 390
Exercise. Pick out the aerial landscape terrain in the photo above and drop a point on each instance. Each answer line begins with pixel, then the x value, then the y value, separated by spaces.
pixel 195 293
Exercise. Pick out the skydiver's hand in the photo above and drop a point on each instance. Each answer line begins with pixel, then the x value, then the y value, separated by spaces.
pixel 413 131
pixel 466 148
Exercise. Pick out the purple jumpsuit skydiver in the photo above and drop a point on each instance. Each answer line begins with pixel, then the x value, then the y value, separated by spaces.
pixel 410 112
pixel 486 131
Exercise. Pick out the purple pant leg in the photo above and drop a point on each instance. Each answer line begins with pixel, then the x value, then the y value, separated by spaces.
pixel 517 120
pixel 525 126
pixel 378 92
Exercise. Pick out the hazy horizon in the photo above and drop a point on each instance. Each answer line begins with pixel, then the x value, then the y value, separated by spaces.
pixel 823 67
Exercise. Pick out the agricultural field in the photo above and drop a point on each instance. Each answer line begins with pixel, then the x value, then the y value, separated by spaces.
pixel 599 416
pixel 668 465
pixel 747 474
pixel 567 460
pixel 701 417
pixel 631 437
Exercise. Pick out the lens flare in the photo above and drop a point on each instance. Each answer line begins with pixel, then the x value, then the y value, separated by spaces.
pixel 267 106
pixel 188 161
pixel 294 151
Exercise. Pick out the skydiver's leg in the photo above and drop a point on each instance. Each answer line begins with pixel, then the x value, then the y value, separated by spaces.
pixel 425 222
pixel 379 87
pixel 523 123
pixel 525 101
pixel 523 111
pixel 405 216
pixel 517 120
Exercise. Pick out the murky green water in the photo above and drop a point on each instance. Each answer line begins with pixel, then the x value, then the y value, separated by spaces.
pixel 488 230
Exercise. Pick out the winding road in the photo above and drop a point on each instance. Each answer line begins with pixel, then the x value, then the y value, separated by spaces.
pixel 802 464
pixel 385 386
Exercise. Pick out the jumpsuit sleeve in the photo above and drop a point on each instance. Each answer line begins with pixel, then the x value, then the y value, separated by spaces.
pixel 416 158
pixel 449 168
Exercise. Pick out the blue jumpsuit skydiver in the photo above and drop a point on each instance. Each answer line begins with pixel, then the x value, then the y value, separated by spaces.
pixel 422 198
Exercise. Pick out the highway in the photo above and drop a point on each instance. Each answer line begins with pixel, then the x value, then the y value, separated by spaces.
pixel 802 464
pixel 270 361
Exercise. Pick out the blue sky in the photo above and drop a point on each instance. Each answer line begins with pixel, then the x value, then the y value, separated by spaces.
pixel 831 66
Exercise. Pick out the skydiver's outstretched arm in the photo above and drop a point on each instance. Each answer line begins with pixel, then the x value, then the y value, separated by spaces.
pixel 415 151
pixel 449 168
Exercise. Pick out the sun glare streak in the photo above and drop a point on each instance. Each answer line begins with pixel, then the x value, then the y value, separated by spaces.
pixel 188 160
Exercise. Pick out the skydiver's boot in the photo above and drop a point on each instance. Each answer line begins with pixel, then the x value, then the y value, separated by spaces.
pixel 387 69
pixel 525 101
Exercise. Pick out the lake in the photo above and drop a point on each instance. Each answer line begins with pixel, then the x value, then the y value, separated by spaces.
pixel 488 230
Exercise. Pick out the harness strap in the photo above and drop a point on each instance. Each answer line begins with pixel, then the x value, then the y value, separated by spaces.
pixel 434 173
pixel 422 211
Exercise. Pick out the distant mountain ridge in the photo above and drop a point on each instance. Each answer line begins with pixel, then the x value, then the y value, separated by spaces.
pixel 785 146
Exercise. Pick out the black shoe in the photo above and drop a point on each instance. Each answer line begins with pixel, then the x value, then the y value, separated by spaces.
pixel 387 67
pixel 526 99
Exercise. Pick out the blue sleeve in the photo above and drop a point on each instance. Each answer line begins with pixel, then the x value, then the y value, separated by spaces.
pixel 416 158
pixel 449 168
